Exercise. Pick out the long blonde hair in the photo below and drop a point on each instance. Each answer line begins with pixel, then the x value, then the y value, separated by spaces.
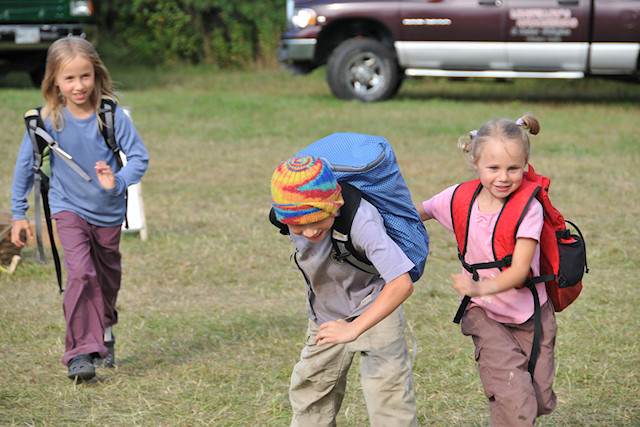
pixel 472 143
pixel 59 53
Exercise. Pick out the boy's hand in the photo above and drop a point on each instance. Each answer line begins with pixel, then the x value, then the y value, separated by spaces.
pixel 105 175
pixel 336 332
pixel 16 228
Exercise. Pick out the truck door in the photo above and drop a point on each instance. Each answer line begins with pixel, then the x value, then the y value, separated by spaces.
pixel 548 35
pixel 452 34
pixel 616 37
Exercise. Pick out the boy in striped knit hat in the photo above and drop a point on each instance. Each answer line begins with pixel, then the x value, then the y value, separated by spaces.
pixel 350 311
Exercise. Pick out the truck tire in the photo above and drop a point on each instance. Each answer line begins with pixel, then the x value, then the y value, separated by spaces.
pixel 363 69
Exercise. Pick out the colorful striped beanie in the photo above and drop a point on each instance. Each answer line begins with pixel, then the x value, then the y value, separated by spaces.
pixel 304 190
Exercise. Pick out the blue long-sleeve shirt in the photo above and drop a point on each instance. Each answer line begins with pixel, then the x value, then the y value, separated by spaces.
pixel 68 191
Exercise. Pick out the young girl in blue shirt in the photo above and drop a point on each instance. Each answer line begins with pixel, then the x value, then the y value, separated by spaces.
pixel 88 213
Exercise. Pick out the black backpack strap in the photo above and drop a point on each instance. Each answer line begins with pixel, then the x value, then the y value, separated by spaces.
pixel 341 233
pixel 537 328
pixel 473 269
pixel 52 241
pixel 41 140
pixel 33 122
pixel 284 230
pixel 107 113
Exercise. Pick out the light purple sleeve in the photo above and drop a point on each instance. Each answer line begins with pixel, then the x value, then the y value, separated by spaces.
pixel 370 237
pixel 439 207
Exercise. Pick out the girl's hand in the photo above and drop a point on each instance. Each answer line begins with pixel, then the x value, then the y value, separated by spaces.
pixel 335 332
pixel 17 227
pixel 506 279
pixel 464 285
pixel 105 175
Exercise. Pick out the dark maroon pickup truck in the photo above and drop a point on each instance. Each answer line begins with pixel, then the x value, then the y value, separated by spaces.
pixel 370 46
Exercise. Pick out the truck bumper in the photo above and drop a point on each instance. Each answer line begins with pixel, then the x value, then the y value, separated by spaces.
pixel 26 37
pixel 293 53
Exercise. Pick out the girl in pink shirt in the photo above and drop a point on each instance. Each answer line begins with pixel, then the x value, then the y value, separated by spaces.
pixel 499 316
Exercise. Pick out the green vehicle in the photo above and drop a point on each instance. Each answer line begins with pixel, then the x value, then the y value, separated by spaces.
pixel 28 27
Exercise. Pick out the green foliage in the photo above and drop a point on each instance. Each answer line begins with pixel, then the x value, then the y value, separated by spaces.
pixel 222 33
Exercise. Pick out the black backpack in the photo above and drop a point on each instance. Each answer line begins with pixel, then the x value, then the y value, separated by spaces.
pixel 43 145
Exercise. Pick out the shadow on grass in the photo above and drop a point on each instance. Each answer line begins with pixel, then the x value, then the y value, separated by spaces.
pixel 591 91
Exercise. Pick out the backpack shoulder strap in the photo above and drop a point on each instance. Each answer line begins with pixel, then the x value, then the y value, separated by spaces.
pixel 107 112
pixel 341 233
pixel 41 140
pixel 461 203
pixel 284 230
pixel 33 122
pixel 512 215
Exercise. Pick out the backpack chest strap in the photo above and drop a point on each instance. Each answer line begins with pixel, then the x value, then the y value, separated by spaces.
pixel 473 268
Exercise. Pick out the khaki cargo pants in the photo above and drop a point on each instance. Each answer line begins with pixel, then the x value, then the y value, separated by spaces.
pixel 319 379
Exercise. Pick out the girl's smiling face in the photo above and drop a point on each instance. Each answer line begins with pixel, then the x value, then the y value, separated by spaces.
pixel 314 232
pixel 76 81
pixel 500 166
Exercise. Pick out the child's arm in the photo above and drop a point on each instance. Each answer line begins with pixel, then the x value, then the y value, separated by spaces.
pixel 438 207
pixel 514 276
pixel 424 216
pixel 392 295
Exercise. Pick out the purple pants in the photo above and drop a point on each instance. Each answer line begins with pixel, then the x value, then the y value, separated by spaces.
pixel 92 261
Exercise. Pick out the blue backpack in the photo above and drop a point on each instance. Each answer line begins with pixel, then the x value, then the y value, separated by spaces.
pixel 366 166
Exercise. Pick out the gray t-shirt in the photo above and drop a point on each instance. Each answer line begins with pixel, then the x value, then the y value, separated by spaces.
pixel 338 290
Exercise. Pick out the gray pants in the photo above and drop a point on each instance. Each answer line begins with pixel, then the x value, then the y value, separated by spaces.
pixel 319 379
pixel 502 352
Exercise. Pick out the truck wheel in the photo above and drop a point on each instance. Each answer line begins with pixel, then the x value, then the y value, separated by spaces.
pixel 363 69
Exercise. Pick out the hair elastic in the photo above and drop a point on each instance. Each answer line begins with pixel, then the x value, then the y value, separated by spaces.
pixel 519 122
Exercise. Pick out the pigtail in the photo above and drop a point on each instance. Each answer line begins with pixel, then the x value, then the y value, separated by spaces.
pixel 529 122
pixel 465 142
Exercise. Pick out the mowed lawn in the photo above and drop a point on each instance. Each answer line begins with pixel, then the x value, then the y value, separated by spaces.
pixel 212 314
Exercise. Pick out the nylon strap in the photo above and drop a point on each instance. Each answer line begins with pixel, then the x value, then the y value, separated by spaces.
pixel 107 114
pixel 473 269
pixel 537 329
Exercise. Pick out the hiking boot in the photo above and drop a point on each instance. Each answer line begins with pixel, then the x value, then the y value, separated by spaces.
pixel 81 368
pixel 109 341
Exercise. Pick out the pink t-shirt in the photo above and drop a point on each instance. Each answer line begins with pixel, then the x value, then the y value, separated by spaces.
pixel 513 305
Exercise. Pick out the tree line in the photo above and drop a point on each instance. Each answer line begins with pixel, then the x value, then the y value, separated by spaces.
pixel 224 33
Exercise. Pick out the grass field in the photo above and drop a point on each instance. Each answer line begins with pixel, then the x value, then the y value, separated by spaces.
pixel 212 316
